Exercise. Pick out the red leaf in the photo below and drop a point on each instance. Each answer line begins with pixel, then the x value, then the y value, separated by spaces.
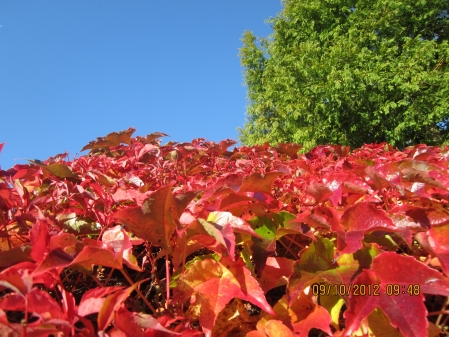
pixel 181 201
pixel 422 177
pixel 362 218
pixel 13 302
pixel 39 239
pixel 116 238
pixel 57 258
pixel 436 241
pixel 319 191
pixel 154 136
pixel 112 139
pixel 422 216
pixel 406 312
pixel 100 256
pixel 290 149
pixel 312 219
pixel 319 318
pixel 41 302
pixel 232 199
pixel 215 284
pixel 99 292
pixel 111 303
pixel 38 301
pixel 276 272
pixel 68 305
pixel 233 181
pixel 90 306
pixel 257 182
pixel 62 240
pixel 156 220
pixel 392 268
pixel 223 235
pixel 119 240
pixel 93 300
pixel 224 144
pixel 386 175
pixel 124 321
pixel 11 279
pixel 129 195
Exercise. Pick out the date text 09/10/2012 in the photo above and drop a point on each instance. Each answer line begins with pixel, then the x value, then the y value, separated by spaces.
pixel 326 289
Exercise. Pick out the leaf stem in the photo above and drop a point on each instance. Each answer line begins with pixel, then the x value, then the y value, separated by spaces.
pixel 167 280
pixel 441 313
pixel 287 248
pixel 142 296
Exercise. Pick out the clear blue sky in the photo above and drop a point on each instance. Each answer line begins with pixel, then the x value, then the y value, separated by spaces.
pixel 71 71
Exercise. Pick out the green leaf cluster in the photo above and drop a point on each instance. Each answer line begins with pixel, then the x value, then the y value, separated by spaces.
pixel 349 72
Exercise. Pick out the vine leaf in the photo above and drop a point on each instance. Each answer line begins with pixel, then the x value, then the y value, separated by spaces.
pixel 157 218
pixel 212 284
pixel 112 139
pixel 406 311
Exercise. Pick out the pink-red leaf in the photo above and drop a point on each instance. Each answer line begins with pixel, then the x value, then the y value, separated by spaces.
pixel 436 241
pixel 100 256
pixel 124 321
pixel 111 303
pixel 56 258
pixel 156 220
pixel 38 301
pixel 93 300
pixel 290 149
pixel 39 239
pixel 319 191
pixel 406 312
pixel 362 218
pixel 392 268
pixel 11 279
pixel 257 182
pixel 276 273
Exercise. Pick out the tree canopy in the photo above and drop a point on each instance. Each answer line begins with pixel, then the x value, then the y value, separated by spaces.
pixel 349 72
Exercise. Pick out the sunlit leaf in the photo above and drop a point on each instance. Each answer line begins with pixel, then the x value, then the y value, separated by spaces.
pixel 112 139
pixel 259 182
pixel 214 284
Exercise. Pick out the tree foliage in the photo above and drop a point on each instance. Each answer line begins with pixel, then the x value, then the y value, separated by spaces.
pixel 350 72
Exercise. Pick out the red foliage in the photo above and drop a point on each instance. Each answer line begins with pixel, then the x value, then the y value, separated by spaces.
pixel 140 239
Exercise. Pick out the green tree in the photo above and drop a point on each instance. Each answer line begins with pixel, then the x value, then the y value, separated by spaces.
pixel 350 72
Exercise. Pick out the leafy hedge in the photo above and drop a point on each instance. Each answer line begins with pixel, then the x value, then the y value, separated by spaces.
pixel 139 239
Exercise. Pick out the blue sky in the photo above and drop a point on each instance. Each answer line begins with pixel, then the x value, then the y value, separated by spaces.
pixel 71 71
